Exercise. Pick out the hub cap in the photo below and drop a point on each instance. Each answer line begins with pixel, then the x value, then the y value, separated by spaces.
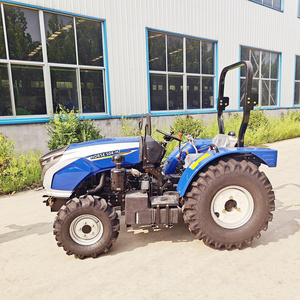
pixel 86 229
pixel 232 207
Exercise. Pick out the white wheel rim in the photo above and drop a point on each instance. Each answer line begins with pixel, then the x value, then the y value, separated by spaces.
pixel 232 207
pixel 86 229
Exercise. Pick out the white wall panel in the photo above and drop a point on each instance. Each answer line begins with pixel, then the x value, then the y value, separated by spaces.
pixel 231 23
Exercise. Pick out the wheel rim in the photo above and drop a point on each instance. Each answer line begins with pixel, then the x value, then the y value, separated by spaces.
pixel 232 207
pixel 86 229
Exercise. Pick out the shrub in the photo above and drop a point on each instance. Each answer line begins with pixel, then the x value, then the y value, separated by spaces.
pixel 6 152
pixel 17 172
pixel 65 128
pixel 188 126
pixel 128 129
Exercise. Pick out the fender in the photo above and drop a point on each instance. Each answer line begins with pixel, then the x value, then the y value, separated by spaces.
pixel 266 155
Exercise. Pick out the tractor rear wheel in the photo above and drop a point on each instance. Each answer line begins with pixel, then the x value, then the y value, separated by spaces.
pixel 229 203
pixel 86 226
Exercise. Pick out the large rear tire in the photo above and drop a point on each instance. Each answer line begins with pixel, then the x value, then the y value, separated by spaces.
pixel 86 227
pixel 229 203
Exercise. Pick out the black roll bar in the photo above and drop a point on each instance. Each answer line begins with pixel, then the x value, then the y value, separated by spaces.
pixel 250 99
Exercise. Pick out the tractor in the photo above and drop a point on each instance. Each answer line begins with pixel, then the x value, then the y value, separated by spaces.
pixel 215 184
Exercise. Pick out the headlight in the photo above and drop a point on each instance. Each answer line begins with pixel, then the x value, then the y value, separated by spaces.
pixel 51 158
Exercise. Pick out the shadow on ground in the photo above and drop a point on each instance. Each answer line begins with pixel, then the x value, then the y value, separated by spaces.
pixel 22 231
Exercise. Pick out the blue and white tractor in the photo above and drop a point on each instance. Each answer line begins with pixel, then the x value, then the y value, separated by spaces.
pixel 216 183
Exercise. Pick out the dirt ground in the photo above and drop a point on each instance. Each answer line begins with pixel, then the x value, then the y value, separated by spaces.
pixel 161 264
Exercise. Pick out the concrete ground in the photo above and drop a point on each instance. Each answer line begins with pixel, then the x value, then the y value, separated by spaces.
pixel 166 264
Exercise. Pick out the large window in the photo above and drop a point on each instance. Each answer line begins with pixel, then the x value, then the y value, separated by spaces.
pixel 297 82
pixel 265 75
pixel 181 72
pixel 276 4
pixel 67 50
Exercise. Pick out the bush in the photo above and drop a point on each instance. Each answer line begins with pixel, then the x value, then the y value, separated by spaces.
pixel 128 129
pixel 6 152
pixel 18 172
pixel 187 126
pixel 65 128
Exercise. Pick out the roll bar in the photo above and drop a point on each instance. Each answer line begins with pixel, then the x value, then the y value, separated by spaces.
pixel 250 99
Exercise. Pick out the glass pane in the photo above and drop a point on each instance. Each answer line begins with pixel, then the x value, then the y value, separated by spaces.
pixel 265 92
pixel 273 96
pixel 92 91
pixel 5 102
pixel 192 56
pixel 23 33
pixel 298 68
pixel 29 90
pixel 265 64
pixel 245 55
pixel 158 94
pixel 175 53
pixel 277 4
pixel 267 2
pixel 255 62
pixel 175 92
pixel 60 38
pixel 157 51
pixel 274 65
pixel 64 88
pixel 207 92
pixel 193 92
pixel 89 41
pixel 297 93
pixel 207 58
pixel 2 45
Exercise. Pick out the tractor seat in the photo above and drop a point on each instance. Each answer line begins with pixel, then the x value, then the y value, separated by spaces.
pixel 224 141
pixel 220 140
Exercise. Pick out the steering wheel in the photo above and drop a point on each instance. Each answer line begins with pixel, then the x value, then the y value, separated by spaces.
pixel 169 136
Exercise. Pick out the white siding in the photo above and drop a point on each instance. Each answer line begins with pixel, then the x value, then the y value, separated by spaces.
pixel 231 23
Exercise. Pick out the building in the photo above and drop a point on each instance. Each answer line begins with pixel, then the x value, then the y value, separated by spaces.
pixel 110 58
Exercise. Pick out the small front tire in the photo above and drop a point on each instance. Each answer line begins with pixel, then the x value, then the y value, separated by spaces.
pixel 86 226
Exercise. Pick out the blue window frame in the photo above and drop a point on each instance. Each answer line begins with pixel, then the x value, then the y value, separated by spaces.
pixel 57 59
pixel 181 72
pixel 265 75
pixel 275 4
pixel 297 82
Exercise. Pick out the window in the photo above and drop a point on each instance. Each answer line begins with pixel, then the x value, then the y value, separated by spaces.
pixel 297 82
pixel 70 54
pixel 265 75
pixel 276 4
pixel 181 72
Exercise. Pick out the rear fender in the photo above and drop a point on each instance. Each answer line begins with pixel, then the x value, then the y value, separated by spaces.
pixel 264 155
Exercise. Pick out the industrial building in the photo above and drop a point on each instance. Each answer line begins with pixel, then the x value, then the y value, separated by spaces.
pixel 114 58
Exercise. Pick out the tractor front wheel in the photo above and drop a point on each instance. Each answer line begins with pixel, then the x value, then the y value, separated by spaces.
pixel 86 226
pixel 229 203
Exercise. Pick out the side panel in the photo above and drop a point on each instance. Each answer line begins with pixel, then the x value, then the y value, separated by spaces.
pixel 76 172
pixel 268 156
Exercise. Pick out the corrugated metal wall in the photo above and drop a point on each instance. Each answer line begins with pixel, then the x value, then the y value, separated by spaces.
pixel 231 23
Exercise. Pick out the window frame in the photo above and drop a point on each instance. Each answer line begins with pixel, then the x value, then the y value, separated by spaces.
pixel 296 81
pixel 185 75
pixel 22 119
pixel 270 6
pixel 261 78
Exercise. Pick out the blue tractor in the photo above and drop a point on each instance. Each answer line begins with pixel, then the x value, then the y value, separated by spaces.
pixel 224 198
